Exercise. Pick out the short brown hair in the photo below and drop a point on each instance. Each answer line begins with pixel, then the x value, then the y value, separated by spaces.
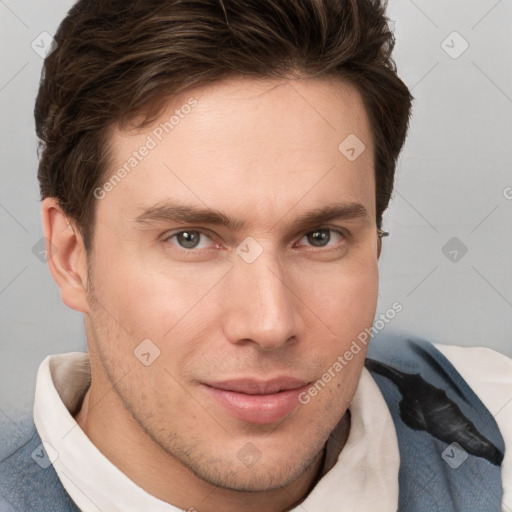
pixel 117 59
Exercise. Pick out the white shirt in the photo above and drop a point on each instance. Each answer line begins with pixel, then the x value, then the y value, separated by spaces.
pixel 364 478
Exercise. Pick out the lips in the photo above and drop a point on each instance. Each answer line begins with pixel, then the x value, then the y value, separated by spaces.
pixel 256 401
pixel 254 387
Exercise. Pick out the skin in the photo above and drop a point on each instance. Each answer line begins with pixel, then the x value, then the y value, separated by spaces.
pixel 263 152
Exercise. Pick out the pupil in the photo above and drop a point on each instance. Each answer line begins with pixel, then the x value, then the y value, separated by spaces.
pixel 321 235
pixel 188 239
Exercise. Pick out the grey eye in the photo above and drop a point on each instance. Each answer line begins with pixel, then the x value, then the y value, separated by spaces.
pixel 319 237
pixel 188 239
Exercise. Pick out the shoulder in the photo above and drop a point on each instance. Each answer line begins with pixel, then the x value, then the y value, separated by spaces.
pixel 486 372
pixel 454 394
pixel 482 376
pixel 27 478
pixel 478 365
pixel 489 374
pixel 481 367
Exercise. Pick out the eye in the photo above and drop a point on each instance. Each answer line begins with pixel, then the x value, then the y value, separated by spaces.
pixel 322 236
pixel 188 239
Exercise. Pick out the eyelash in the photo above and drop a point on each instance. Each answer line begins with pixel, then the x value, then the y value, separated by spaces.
pixel 336 230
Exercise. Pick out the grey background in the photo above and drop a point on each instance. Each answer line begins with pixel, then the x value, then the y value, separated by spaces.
pixel 452 181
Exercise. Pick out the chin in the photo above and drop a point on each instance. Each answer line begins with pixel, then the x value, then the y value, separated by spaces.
pixel 251 470
pixel 262 479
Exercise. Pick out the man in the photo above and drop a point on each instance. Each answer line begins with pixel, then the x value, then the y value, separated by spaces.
pixel 214 175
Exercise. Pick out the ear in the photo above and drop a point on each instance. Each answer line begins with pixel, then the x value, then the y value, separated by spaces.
pixel 66 255
pixel 379 246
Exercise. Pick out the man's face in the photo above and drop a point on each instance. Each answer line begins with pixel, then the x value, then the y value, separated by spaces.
pixel 238 314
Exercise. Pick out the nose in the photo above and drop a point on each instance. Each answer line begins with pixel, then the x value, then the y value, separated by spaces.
pixel 263 305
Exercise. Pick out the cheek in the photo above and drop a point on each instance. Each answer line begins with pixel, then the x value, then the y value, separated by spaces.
pixel 139 303
pixel 145 300
pixel 348 310
pixel 345 299
pixel 360 294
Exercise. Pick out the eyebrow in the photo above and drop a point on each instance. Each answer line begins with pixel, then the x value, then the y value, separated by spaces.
pixel 190 214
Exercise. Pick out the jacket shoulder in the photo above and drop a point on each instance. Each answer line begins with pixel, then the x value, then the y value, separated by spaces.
pixel 28 480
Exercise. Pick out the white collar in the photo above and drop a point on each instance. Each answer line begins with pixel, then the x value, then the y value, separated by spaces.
pixel 364 478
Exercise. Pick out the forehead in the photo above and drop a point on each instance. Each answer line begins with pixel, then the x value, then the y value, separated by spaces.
pixel 256 145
